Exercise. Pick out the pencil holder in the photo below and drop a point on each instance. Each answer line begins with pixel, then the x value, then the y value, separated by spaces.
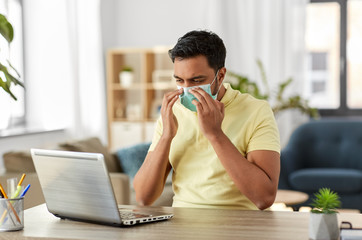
pixel 12 214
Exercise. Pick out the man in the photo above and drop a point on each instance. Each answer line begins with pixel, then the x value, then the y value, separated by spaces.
pixel 223 146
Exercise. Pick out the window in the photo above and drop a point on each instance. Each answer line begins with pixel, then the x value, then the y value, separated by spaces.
pixel 354 54
pixel 318 72
pixel 13 111
pixel 333 41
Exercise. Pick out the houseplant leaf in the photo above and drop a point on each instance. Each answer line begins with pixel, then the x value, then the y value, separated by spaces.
pixel 6 88
pixel 9 79
pixel 325 201
pixel 6 29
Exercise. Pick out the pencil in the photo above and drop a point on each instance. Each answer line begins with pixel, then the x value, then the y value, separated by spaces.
pixel 11 206
pixel 21 180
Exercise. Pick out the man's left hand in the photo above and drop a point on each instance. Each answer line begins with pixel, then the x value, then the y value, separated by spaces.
pixel 210 113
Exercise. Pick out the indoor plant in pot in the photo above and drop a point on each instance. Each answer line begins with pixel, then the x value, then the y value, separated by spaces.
pixel 126 76
pixel 323 223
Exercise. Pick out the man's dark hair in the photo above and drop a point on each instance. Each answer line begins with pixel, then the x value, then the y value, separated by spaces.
pixel 201 42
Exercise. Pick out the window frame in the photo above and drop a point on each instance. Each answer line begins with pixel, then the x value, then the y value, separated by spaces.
pixel 343 109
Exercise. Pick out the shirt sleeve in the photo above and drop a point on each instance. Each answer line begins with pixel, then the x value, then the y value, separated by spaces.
pixel 266 133
pixel 157 134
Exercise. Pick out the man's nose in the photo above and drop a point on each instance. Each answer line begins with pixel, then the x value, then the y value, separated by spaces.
pixel 184 85
pixel 187 84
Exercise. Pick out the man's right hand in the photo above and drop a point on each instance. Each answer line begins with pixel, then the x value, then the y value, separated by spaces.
pixel 151 177
pixel 169 120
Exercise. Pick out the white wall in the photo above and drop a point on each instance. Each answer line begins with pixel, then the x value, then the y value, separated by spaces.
pixel 144 23
pixel 125 23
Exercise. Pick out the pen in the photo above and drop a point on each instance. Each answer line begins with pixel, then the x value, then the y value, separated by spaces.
pixel 25 191
pixel 11 206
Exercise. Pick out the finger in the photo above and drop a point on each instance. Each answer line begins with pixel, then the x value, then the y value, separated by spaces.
pixel 201 95
pixel 198 105
pixel 168 103
pixel 172 102
pixel 171 94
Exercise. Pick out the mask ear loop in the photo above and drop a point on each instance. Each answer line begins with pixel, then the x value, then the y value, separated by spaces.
pixel 220 84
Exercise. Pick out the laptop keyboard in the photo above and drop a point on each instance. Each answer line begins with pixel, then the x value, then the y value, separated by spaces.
pixel 128 214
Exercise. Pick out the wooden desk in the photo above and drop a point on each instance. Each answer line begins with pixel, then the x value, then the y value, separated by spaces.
pixel 187 224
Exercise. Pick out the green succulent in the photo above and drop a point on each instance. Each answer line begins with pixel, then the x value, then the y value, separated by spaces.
pixel 325 201
pixel 127 69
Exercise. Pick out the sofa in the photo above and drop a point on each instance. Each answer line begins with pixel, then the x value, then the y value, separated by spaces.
pixel 325 153
pixel 122 166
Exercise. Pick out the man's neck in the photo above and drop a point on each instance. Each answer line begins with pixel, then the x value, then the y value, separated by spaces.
pixel 221 92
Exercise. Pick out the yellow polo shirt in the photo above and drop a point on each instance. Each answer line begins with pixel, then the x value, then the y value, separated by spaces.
pixel 199 179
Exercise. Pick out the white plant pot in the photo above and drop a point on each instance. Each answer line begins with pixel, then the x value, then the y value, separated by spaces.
pixel 126 78
pixel 323 226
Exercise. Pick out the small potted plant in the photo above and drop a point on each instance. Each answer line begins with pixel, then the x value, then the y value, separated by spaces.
pixel 126 76
pixel 323 223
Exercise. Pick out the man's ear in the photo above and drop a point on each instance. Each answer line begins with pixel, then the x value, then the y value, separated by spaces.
pixel 221 74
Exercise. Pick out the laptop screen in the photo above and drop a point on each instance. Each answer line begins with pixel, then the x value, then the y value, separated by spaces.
pixel 76 185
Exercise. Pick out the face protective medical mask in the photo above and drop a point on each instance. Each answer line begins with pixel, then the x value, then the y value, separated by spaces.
pixel 186 97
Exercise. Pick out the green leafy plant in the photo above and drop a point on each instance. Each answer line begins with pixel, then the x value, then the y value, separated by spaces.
pixel 127 69
pixel 7 31
pixel 325 201
pixel 245 85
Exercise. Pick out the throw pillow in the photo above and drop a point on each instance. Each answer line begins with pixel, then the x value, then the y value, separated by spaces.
pixel 18 161
pixel 131 158
pixel 93 145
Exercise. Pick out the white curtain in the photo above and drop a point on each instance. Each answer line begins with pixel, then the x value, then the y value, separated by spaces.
pixel 64 67
pixel 84 25
pixel 272 31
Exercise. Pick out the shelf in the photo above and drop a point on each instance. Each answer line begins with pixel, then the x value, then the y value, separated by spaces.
pixel 161 86
pixel 151 86
pixel 117 86
pixel 127 120
pixel 132 110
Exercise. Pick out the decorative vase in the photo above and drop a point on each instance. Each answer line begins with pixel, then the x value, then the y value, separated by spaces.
pixel 323 226
pixel 126 78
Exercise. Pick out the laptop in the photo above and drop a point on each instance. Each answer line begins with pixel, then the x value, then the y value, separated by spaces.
pixel 77 186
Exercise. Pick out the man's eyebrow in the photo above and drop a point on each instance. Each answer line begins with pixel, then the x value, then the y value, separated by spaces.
pixel 193 78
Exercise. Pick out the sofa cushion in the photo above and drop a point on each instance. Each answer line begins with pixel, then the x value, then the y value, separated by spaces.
pixel 93 145
pixel 131 158
pixel 18 161
pixel 339 180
